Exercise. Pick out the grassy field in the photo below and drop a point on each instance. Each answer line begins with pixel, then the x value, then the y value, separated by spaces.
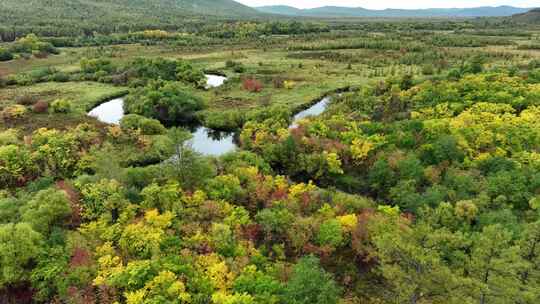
pixel 84 95
pixel 312 74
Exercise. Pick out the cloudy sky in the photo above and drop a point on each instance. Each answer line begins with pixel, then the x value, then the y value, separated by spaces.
pixel 378 4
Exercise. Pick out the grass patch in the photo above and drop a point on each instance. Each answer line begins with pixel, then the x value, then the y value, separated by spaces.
pixel 84 95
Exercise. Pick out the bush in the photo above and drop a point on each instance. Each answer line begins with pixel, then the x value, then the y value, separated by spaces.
pixel 92 66
pixel 289 84
pixel 61 106
pixel 165 101
pixel 311 284
pixel 428 69
pixel 146 126
pixel 41 107
pixel 252 85
pixel 237 67
pixel 9 137
pixel 278 82
pixel 5 55
pixel 60 77
pixel 14 112
pixel 26 100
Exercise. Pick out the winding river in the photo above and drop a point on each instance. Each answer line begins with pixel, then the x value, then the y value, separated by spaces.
pixel 205 141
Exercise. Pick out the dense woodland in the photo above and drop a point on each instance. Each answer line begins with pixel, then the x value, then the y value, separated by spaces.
pixel 419 184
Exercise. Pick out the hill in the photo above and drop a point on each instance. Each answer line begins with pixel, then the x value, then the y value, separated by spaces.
pixel 336 11
pixel 532 16
pixel 53 16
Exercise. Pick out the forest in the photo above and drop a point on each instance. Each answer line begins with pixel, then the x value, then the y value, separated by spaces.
pixel 252 160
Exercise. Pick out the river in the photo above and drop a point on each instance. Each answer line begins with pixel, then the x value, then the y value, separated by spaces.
pixel 205 141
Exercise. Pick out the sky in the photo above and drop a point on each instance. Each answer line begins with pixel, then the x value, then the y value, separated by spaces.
pixel 380 4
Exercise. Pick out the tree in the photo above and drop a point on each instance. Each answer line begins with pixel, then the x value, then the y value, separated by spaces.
pixel 330 233
pixel 310 284
pixel 16 165
pixel 529 276
pixel 263 287
pixel 410 260
pixel 48 208
pixel 164 288
pixel 186 166
pixel 168 102
pixel 494 266
pixel 143 239
pixel 20 246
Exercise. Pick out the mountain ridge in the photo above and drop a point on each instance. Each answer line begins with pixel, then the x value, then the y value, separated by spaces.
pixel 532 16
pixel 338 11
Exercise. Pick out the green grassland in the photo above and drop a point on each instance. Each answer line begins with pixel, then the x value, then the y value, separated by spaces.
pixel 313 70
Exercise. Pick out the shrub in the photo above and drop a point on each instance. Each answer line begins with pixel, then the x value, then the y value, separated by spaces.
pixel 237 67
pixel 40 54
pixel 60 77
pixel 41 107
pixel 14 112
pixel 428 69
pixel 146 126
pixel 330 233
pixel 26 100
pixel 165 101
pixel 311 284
pixel 9 137
pixel 289 84
pixel 252 85
pixel 92 66
pixel 5 55
pixel 278 82
pixel 61 106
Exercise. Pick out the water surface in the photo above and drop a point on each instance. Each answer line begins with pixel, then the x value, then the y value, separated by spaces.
pixel 110 112
pixel 314 110
pixel 214 81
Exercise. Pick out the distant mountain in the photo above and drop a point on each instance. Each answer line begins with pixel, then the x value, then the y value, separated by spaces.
pixel 532 16
pixel 336 11
pixel 13 12
pixel 85 17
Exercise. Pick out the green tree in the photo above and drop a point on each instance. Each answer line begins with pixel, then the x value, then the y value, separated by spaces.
pixel 494 265
pixel 169 102
pixel 16 165
pixel 20 246
pixel 410 260
pixel 529 276
pixel 47 208
pixel 330 233
pixel 311 284
pixel 186 166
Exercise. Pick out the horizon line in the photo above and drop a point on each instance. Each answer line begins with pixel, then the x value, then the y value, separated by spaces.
pixel 393 8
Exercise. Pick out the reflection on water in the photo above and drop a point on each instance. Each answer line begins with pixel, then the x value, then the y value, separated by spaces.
pixel 110 112
pixel 211 142
pixel 314 110
pixel 214 81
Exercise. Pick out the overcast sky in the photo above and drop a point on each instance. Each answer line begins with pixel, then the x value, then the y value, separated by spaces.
pixel 381 4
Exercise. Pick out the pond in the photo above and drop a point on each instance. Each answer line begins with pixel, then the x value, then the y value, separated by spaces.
pixel 110 112
pixel 214 81
pixel 205 141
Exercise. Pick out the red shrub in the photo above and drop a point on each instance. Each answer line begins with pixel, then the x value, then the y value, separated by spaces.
pixel 80 257
pixel 252 85
pixel 41 107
